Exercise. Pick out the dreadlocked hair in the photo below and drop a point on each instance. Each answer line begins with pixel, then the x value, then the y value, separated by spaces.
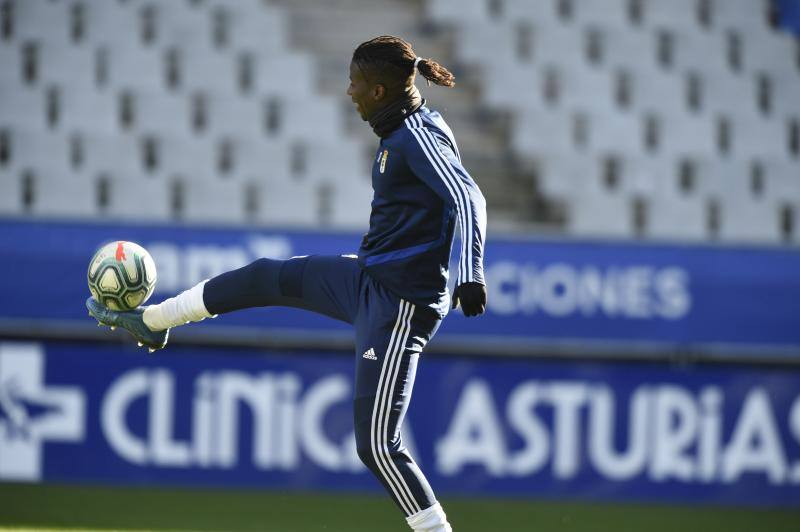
pixel 392 59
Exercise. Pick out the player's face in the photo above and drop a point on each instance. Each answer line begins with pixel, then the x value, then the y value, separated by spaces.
pixel 364 94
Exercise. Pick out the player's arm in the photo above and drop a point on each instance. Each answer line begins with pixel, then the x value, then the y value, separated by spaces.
pixel 433 160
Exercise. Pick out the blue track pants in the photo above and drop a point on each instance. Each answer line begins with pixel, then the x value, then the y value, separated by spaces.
pixel 390 335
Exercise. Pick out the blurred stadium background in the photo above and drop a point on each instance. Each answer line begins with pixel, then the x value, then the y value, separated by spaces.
pixel 638 365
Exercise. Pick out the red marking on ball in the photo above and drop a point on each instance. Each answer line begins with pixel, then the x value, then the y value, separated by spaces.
pixel 120 252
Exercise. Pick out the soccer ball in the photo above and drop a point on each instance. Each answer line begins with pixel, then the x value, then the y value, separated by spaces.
pixel 121 275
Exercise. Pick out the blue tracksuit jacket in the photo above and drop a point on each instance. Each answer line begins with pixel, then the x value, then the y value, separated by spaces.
pixel 422 193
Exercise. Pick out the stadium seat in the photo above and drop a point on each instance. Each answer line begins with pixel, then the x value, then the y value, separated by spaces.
pixel 209 71
pixel 524 89
pixel 673 14
pixel 615 132
pixel 483 42
pixel 81 110
pixel 744 220
pixel 543 12
pixel 42 21
pixel 288 203
pixel 726 93
pixel 686 135
pixel 692 49
pixel 653 89
pixel 544 132
pixel 10 192
pixel 581 86
pixel 62 195
pixel 560 176
pixel 452 11
pixel 183 24
pixel 251 25
pixel 677 217
pixel 756 136
pixel 11 59
pixel 289 73
pixel 263 160
pixel 135 67
pixel 68 66
pixel 229 115
pixel 318 119
pixel 159 112
pixel 627 48
pixel 338 162
pixel 188 156
pixel 37 148
pixel 22 106
pixel 594 212
pixel 351 204
pixel 563 45
pixel 112 23
pixel 774 53
pixel 211 200
pixel 610 13
pixel 104 153
pixel 784 95
pixel 743 15
pixel 134 197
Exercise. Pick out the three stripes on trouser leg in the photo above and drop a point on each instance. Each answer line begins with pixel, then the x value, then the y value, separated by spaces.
pixel 379 429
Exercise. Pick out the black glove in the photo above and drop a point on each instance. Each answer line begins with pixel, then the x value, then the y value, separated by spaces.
pixel 472 297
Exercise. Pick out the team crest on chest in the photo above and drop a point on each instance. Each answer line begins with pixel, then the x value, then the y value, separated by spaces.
pixel 384 156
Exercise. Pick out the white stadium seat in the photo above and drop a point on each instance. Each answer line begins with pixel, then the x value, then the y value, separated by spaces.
pixel 289 203
pixel 10 192
pixel 104 153
pixel 756 136
pixel 133 67
pixel 671 14
pixel 612 13
pixel 22 106
pixel 112 23
pixel 162 113
pixel 211 200
pixel 263 160
pixel 209 70
pixel 450 11
pixel 81 110
pixel 68 66
pixel 42 21
pixel 134 197
pixel 63 195
pixel 37 148
pixel 743 15
pixel 544 132
pixel 290 73
pixel 541 12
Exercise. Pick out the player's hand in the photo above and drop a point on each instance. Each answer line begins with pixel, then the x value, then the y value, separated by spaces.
pixel 472 297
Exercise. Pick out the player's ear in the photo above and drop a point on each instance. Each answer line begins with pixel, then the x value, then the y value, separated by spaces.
pixel 378 92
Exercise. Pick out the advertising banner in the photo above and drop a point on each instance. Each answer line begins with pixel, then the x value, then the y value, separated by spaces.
pixel 576 296
pixel 532 429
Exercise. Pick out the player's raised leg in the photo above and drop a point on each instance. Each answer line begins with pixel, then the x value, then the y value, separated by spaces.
pixel 390 335
pixel 328 285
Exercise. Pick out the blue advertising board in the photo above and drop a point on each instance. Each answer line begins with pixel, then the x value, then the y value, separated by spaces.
pixel 582 295
pixel 504 427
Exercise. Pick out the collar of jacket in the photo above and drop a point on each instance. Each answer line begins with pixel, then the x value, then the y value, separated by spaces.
pixel 391 117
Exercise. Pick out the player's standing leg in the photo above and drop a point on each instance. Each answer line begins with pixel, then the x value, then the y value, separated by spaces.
pixel 390 335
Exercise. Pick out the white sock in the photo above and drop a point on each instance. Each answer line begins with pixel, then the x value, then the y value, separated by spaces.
pixel 183 308
pixel 431 519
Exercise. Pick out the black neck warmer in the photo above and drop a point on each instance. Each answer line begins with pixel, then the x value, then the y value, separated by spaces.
pixel 391 117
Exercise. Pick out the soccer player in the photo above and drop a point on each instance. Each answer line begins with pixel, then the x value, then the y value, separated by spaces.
pixel 394 292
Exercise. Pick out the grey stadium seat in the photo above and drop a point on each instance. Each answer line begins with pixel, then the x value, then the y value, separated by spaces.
pixel 134 197
pixel 10 192
pixel 63 195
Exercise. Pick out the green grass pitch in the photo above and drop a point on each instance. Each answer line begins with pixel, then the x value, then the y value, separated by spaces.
pixel 96 508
